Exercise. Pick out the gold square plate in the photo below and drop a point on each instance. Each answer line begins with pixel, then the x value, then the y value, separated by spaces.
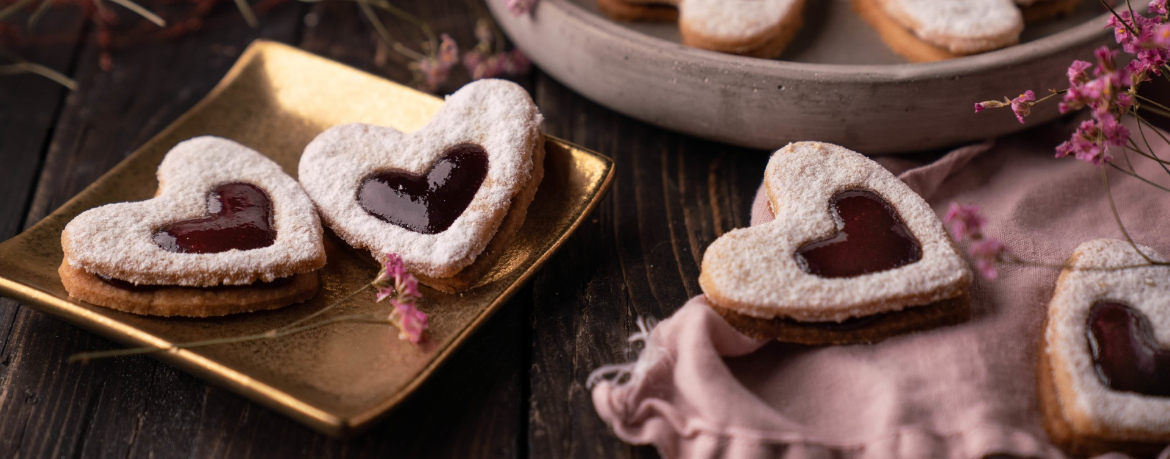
pixel 341 378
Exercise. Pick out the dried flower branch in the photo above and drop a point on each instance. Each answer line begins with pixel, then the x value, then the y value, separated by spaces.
pixel 392 282
pixel 19 66
pixel 1109 92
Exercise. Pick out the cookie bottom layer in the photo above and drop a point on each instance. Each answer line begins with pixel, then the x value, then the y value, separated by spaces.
pixel 1061 431
pixel 765 45
pixel 517 211
pixel 186 301
pixel 621 10
pixel 898 38
pixel 863 330
pixel 1048 9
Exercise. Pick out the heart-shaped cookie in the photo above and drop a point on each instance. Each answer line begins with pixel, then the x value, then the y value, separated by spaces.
pixel 203 185
pixel 758 28
pixel 930 30
pixel 437 196
pixel 901 256
pixel 1105 361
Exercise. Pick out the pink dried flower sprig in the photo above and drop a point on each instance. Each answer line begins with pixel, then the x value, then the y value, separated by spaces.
pixel 967 224
pixel 401 287
pixel 392 282
pixel 489 60
pixel 1109 91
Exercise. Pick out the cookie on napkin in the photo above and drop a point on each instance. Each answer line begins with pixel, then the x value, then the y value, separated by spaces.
pixel 227 232
pixel 1104 370
pixel 853 256
pixel 448 198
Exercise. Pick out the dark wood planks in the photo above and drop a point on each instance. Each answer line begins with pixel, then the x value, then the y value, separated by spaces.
pixel 517 388
pixel 637 257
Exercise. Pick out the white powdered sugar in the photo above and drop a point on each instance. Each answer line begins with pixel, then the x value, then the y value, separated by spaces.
pixel 735 19
pixel 495 114
pixel 754 271
pixel 116 240
pixel 960 26
pixel 1088 403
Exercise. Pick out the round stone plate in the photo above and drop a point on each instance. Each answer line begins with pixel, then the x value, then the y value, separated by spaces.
pixel 837 82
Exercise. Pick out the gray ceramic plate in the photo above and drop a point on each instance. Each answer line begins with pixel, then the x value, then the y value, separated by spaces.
pixel 837 82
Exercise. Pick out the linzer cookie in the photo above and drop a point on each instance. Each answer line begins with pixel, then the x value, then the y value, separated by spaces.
pixel 931 30
pixel 852 256
pixel 1104 370
pixel 757 28
pixel 448 198
pixel 227 232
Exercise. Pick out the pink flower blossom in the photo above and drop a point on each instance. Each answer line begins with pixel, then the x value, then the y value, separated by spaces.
pixel 986 253
pixel 520 7
pixel 401 287
pixel 965 221
pixel 1090 143
pixel 431 72
pixel 410 321
pixel 1159 7
pixel 448 51
pixel 482 66
pixel 1022 106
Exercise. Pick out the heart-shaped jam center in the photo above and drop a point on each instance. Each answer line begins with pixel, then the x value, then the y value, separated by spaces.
pixel 239 217
pixel 1126 355
pixel 430 203
pixel 872 238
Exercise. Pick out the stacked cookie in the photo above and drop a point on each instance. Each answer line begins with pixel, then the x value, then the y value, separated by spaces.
pixel 919 30
pixel 230 232
pixel 852 256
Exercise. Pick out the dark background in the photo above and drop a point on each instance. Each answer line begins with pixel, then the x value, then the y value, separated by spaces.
pixel 516 389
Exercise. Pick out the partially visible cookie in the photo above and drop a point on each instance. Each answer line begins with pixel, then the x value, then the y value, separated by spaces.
pixel 447 198
pixel 853 255
pixel 931 30
pixel 757 28
pixel 225 220
pixel 1040 10
pixel 1104 368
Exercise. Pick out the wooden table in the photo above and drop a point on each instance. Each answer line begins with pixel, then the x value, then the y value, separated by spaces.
pixel 516 390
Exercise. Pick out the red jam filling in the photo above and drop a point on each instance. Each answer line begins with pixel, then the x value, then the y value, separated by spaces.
pixel 426 204
pixel 1126 355
pixel 873 239
pixel 239 217
pixel 141 288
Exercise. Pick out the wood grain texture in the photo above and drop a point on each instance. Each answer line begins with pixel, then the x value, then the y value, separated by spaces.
pixel 637 257
pixel 515 390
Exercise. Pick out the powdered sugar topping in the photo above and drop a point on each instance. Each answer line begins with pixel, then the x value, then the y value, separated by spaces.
pixel 495 114
pixel 116 239
pixel 754 270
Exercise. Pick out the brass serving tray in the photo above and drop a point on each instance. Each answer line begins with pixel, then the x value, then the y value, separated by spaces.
pixel 337 379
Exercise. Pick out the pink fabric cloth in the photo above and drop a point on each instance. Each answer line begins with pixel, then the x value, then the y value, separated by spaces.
pixel 702 390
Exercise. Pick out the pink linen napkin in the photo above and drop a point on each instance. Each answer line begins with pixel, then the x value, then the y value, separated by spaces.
pixel 702 390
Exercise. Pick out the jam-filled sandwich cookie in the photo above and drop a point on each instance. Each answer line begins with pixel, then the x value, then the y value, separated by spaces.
pixel 853 256
pixel 932 30
pixel 448 198
pixel 227 232
pixel 1104 370
pixel 757 28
